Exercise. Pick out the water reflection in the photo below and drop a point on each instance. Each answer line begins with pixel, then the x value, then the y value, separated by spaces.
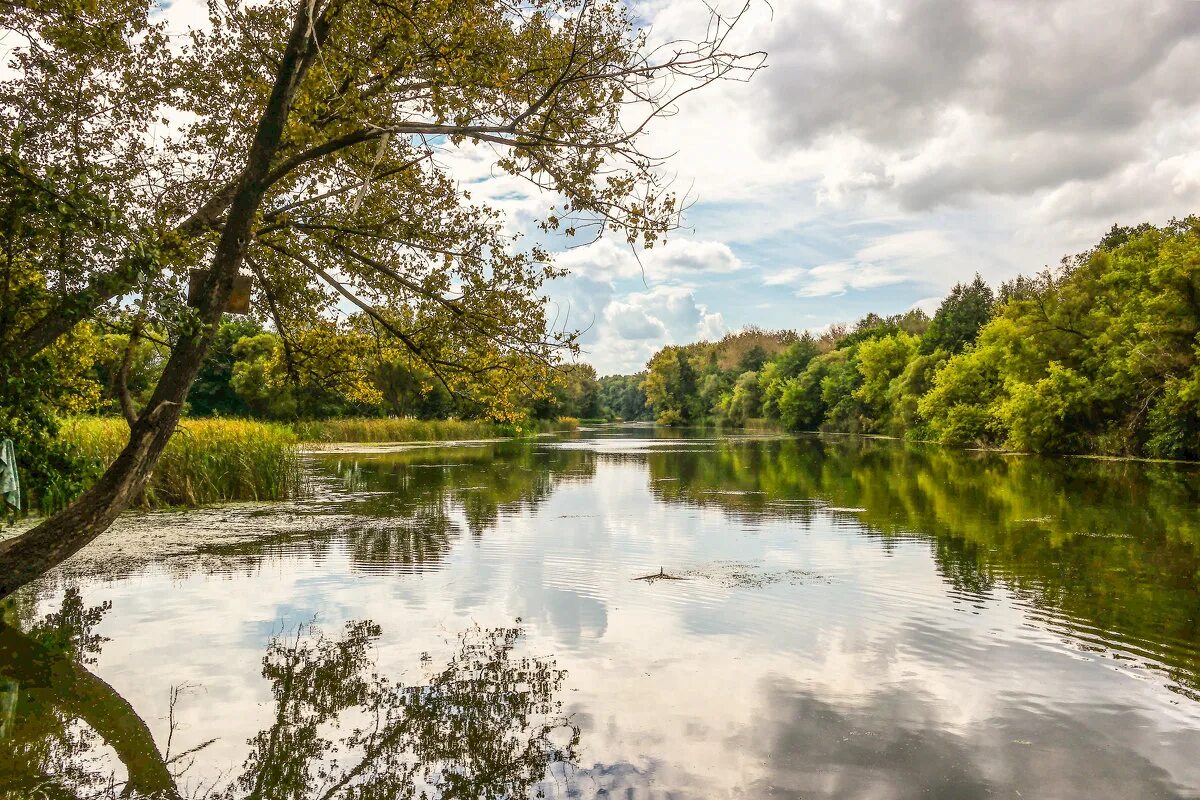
pixel 858 618
pixel 397 512
pixel 401 511
pixel 1103 548
pixel 433 481
pixel 893 745
pixel 487 724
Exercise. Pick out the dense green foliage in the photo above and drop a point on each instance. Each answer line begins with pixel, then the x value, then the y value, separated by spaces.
pixel 685 384
pixel 1097 356
pixel 51 471
pixel 574 392
pixel 964 312
pixel 213 393
pixel 622 397
pixel 246 375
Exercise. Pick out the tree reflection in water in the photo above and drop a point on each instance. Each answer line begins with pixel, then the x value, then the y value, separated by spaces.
pixel 1110 546
pixel 487 724
pixel 428 481
pixel 403 511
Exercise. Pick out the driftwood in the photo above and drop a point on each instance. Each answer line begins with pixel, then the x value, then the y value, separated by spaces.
pixel 659 576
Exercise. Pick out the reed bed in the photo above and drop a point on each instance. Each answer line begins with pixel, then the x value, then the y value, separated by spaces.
pixel 219 460
pixel 404 429
pixel 207 460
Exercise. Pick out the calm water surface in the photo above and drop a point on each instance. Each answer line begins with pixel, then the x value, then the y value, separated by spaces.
pixel 842 618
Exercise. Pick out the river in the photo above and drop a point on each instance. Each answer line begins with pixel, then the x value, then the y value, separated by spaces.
pixel 629 612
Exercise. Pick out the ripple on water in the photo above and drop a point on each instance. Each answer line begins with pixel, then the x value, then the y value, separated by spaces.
pixel 852 619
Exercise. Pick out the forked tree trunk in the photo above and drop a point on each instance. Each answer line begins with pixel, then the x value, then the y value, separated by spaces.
pixel 28 556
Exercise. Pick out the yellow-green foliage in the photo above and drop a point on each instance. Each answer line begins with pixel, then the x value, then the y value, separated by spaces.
pixel 403 429
pixel 207 460
pixel 1099 356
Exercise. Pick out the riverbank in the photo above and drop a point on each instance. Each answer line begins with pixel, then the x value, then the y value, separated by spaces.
pixel 389 430
pixel 222 460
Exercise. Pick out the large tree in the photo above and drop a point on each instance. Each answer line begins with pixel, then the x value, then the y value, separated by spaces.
pixel 308 141
pixel 960 317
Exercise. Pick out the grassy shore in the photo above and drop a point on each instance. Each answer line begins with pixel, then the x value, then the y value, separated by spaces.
pixel 207 460
pixel 218 460
pixel 418 430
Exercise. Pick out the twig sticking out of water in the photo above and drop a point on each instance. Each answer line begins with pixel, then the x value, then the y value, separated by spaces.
pixel 659 576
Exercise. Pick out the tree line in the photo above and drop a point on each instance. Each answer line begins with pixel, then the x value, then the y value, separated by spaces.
pixel 248 373
pixel 1098 355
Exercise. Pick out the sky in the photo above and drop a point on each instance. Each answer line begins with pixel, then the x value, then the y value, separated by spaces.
pixel 889 149
pixel 892 148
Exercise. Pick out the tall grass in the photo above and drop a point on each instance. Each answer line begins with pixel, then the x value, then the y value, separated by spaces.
pixel 217 460
pixel 403 429
pixel 206 461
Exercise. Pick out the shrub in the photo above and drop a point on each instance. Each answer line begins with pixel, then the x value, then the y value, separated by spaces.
pixel 670 416
pixel 1174 421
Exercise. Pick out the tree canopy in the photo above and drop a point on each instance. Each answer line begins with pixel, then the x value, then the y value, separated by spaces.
pixel 311 144
pixel 357 207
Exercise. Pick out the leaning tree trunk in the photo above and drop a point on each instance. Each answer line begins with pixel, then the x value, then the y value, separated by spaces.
pixel 28 556
pixel 62 682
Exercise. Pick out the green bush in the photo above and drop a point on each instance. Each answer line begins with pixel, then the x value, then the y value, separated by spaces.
pixel 670 416
pixel 1174 421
